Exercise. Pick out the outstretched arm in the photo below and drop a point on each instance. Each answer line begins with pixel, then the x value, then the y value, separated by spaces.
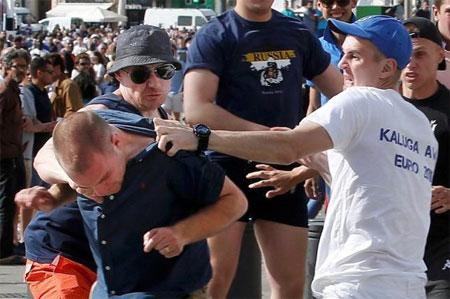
pixel 263 146
pixel 170 241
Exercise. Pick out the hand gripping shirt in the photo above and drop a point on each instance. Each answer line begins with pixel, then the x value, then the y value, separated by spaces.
pixel 382 162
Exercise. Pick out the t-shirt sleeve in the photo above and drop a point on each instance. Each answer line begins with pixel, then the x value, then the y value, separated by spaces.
pixel 342 117
pixel 206 50
pixel 318 59
pixel 198 179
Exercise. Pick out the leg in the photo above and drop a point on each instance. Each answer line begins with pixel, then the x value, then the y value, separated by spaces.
pixel 8 188
pixel 224 249
pixel 284 249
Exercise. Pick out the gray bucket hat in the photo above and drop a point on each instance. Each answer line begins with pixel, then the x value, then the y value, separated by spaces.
pixel 141 45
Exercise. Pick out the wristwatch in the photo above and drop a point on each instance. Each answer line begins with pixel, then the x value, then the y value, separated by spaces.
pixel 202 132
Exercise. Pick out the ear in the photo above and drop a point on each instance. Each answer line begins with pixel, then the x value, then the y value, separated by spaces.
pixel 353 2
pixel 389 68
pixel 116 141
pixel 118 75
pixel 441 54
pixel 435 13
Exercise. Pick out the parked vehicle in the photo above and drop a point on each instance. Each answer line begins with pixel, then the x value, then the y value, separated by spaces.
pixel 63 22
pixel 17 18
pixel 188 18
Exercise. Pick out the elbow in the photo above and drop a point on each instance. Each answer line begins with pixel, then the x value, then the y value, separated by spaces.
pixel 193 117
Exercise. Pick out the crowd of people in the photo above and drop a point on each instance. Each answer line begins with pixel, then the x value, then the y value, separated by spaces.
pixel 98 151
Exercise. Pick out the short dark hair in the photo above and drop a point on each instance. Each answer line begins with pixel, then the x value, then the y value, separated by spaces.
pixel 38 64
pixel 80 56
pixel 14 54
pixel 56 60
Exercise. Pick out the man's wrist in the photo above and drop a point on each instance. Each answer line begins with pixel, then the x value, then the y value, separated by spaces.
pixel 202 132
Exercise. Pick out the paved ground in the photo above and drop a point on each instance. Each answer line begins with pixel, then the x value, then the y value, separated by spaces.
pixel 12 285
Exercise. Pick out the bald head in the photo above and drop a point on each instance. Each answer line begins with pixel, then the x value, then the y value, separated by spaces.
pixel 78 138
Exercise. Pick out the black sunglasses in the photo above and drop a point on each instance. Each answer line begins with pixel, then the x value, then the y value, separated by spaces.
pixel 140 74
pixel 329 3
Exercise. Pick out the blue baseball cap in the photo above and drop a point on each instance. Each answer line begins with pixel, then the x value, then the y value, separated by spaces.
pixel 386 33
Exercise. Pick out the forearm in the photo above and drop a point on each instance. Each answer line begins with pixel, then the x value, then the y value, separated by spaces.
pixel 62 193
pixel 314 100
pixel 275 147
pixel 218 118
pixel 48 167
pixel 212 219
pixel 262 146
pixel 330 82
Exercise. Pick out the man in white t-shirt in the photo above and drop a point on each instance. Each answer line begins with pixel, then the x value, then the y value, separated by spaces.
pixel 381 153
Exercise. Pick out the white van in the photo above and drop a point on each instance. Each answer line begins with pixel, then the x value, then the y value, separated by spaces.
pixel 189 18
pixel 63 22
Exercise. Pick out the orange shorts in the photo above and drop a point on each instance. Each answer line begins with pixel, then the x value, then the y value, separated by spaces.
pixel 63 278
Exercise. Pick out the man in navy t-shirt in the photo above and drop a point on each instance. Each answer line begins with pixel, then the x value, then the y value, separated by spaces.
pixel 244 72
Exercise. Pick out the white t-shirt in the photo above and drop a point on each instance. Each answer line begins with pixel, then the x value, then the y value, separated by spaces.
pixel 378 217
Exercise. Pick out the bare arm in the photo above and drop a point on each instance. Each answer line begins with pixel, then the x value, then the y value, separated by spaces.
pixel 263 146
pixel 330 82
pixel 45 200
pixel 314 100
pixel 48 167
pixel 200 88
pixel 170 241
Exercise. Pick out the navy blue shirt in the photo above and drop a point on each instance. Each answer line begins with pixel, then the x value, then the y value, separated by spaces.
pixel 157 191
pixel 114 102
pixel 61 231
pixel 43 114
pixel 261 65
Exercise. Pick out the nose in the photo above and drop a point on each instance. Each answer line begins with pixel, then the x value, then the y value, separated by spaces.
pixel 153 81
pixel 411 64
pixel 342 63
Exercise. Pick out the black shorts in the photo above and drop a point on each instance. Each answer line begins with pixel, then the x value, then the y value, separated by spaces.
pixel 289 208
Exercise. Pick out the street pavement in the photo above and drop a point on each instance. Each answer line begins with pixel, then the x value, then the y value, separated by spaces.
pixel 12 285
pixel 11 282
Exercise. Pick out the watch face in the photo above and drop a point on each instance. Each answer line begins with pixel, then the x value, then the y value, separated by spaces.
pixel 202 130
